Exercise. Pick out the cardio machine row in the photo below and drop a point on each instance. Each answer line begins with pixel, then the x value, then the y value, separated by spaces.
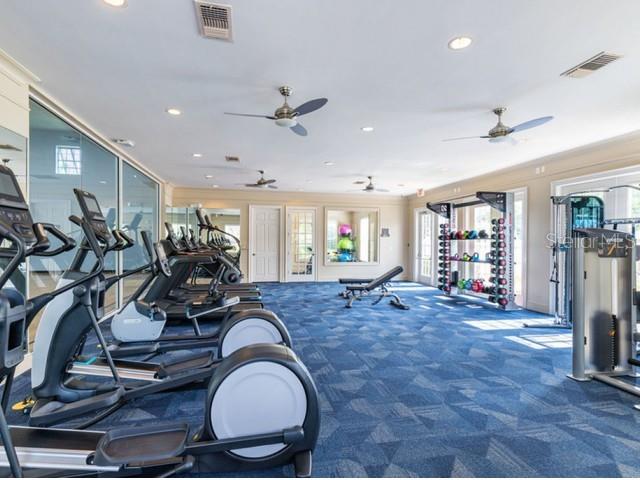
pixel 261 407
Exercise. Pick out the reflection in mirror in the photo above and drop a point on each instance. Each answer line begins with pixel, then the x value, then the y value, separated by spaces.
pixel 351 235
pixel 62 158
pixel 13 153
pixel 227 219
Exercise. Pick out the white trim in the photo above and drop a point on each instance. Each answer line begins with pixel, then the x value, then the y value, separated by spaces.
pixel 281 235
pixel 525 232
pixel 619 172
pixel 19 72
pixel 289 210
pixel 417 277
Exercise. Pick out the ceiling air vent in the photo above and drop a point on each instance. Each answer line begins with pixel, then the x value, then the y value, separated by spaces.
pixel 594 63
pixel 214 19
pixel 232 159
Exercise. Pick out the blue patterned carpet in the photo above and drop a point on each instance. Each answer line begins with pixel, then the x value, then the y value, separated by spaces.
pixel 448 388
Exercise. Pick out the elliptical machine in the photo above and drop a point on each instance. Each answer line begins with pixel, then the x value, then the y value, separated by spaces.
pixel 261 406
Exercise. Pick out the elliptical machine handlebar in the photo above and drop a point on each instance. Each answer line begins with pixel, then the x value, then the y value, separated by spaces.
pixel 17 259
pixel 68 243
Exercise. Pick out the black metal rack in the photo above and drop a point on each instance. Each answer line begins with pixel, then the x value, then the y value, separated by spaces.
pixel 500 288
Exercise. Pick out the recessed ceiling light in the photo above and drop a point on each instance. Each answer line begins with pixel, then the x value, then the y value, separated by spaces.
pixel 116 3
pixel 173 111
pixel 401 184
pixel 328 164
pixel 208 176
pixel 309 181
pixel 367 129
pixel 103 182
pixel 197 155
pixel 458 43
pixel 214 186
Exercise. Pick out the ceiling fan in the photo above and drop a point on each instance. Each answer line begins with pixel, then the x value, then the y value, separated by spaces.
pixel 370 187
pixel 501 132
pixel 262 182
pixel 285 116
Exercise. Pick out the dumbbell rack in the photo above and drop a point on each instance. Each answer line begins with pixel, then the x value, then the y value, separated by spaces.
pixel 502 238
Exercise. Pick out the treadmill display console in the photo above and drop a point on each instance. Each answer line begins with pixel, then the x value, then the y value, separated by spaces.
pixel 14 212
pixel 93 214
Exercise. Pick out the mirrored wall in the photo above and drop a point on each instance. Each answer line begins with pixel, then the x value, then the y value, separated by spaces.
pixel 62 158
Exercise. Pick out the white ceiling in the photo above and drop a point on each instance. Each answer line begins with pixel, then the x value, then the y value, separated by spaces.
pixel 382 63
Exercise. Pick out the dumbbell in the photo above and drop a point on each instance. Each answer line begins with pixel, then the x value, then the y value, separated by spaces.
pixel 503 302
pixel 499 244
pixel 497 271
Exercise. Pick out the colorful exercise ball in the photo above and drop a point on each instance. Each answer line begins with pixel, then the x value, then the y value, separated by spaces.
pixel 345 243
pixel 344 230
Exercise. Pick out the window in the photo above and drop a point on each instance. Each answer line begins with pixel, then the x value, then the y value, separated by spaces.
pixel 332 235
pixel 351 236
pixel 68 161
pixel 363 242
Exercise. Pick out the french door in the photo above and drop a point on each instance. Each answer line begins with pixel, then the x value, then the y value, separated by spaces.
pixel 301 249
pixel 425 245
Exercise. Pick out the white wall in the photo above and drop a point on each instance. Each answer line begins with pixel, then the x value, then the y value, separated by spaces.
pixel 393 250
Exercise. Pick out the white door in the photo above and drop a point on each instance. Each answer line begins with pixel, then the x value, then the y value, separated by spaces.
pixel 301 251
pixel 425 247
pixel 265 244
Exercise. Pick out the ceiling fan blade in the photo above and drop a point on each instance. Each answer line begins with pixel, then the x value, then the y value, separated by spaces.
pixel 253 185
pixel 6 146
pixel 311 106
pixel 268 182
pixel 359 182
pixel 250 115
pixel 273 186
pixel 299 129
pixel 382 190
pixel 459 138
pixel 531 123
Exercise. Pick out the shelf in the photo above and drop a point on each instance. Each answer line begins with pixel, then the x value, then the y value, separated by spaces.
pixel 464 291
pixel 487 262
pixel 465 239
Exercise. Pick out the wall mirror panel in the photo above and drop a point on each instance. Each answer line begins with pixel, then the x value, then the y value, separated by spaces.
pixel 352 236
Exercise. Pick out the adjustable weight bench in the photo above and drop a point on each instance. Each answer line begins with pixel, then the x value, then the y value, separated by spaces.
pixel 357 289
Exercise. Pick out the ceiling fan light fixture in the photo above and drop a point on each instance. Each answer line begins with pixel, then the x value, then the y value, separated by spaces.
pixel 208 176
pixel 197 155
pixel 329 164
pixel 367 129
pixel 173 111
pixel 116 3
pixel 460 43
pixel 286 122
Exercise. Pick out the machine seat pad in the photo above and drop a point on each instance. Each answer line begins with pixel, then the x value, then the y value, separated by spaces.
pixel 354 280
pixel 381 280
pixel 141 444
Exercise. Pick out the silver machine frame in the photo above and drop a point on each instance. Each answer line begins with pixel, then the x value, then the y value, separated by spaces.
pixel 603 303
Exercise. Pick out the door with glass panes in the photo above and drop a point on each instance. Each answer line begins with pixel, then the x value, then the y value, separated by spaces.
pixel 424 266
pixel 301 251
